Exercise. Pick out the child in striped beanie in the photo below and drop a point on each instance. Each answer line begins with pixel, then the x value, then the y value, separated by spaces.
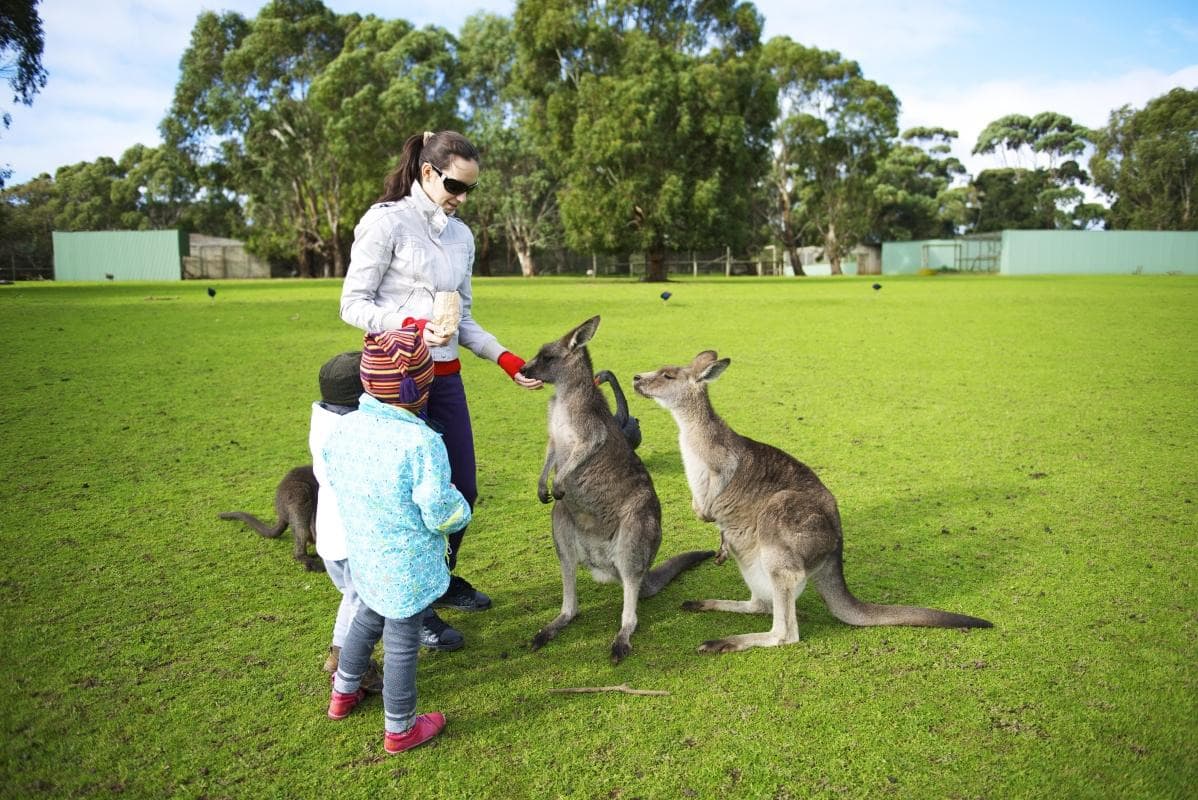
pixel 390 473
pixel 397 368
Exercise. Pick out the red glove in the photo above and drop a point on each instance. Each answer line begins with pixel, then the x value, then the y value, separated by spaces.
pixel 510 363
pixel 419 323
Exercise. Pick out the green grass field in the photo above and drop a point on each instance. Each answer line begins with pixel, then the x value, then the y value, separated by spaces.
pixel 1017 449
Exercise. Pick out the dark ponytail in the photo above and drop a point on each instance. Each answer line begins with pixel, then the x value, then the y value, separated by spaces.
pixel 436 148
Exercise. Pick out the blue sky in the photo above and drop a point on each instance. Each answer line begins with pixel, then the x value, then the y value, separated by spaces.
pixel 113 64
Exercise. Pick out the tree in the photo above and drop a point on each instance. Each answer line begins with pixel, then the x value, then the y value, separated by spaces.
pixel 914 196
pixel 1046 194
pixel 835 129
pixel 518 197
pixel 307 111
pixel 655 112
pixel 1147 162
pixel 21 43
pixel 243 92
pixel 26 228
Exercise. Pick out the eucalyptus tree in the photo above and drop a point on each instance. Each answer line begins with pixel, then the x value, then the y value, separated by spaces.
pixel 1147 161
pixel 517 197
pixel 27 226
pixel 1046 193
pixel 655 114
pixel 305 109
pixel 87 197
pixel 22 41
pixel 834 132
pixel 914 196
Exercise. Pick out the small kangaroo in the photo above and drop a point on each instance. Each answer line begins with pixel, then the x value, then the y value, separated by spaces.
pixel 295 505
pixel 606 515
pixel 777 519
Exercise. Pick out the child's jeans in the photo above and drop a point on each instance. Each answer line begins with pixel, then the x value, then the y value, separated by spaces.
pixel 340 576
pixel 401 645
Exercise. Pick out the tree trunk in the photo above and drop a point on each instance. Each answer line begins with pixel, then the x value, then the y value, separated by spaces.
pixel 528 267
pixel 482 254
pixel 655 266
pixel 832 248
pixel 305 259
pixel 796 261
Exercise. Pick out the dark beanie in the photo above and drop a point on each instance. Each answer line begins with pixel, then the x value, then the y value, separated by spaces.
pixel 341 379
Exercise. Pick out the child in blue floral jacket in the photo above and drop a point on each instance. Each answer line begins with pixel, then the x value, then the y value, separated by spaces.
pixel 390 473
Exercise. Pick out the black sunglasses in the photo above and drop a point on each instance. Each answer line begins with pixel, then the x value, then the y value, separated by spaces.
pixel 453 185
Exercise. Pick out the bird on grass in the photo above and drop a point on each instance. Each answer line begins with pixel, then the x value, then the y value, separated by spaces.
pixel 109 275
pixel 666 295
pixel 877 286
pixel 211 292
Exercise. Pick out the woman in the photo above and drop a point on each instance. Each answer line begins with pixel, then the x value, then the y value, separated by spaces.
pixel 407 247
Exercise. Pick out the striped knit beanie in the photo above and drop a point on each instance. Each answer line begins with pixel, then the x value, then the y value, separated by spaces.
pixel 397 368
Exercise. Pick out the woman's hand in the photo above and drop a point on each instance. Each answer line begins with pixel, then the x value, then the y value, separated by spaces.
pixel 434 337
pixel 527 383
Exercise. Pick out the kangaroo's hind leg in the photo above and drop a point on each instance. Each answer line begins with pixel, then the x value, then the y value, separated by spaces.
pixel 303 531
pixel 565 534
pixel 760 587
pixel 622 645
pixel 787 584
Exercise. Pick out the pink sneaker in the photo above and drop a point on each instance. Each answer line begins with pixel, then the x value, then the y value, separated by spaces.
pixel 341 704
pixel 426 727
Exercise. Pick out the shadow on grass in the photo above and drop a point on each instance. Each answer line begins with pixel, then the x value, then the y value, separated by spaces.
pixel 908 567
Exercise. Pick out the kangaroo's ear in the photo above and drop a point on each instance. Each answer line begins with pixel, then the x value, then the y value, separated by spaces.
pixel 713 370
pixel 582 334
pixel 702 360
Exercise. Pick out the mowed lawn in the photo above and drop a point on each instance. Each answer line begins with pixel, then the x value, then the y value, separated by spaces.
pixel 1020 449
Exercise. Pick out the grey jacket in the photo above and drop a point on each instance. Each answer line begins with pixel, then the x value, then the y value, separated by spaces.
pixel 403 253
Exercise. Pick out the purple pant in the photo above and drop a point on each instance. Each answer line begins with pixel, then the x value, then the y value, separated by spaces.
pixel 448 412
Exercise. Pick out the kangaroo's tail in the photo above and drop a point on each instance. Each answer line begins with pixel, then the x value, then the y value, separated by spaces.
pixel 630 425
pixel 261 527
pixel 847 608
pixel 669 569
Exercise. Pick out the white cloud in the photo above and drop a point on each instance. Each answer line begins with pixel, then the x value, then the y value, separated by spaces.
pixel 113 66
pixel 1087 101
pixel 859 29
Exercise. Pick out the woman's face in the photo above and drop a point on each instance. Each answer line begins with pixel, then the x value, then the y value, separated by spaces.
pixel 460 173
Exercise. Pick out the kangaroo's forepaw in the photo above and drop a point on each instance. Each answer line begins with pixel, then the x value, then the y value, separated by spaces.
pixel 541 639
pixel 619 651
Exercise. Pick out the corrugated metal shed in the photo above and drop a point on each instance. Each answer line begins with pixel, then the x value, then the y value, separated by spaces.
pixel 1099 252
pixel 123 255
pixel 1051 253
pixel 907 258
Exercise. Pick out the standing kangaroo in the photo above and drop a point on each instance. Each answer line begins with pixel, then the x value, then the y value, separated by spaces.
pixel 606 515
pixel 778 520
pixel 295 505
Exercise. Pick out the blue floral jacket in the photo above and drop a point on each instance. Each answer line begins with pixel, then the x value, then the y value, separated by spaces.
pixel 390 473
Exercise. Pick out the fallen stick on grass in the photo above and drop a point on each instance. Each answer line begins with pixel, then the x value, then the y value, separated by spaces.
pixel 623 688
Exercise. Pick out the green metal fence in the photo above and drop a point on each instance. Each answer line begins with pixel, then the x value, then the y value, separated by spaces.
pixel 1050 253
pixel 119 255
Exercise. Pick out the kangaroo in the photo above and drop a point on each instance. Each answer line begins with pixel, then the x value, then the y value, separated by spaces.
pixel 295 505
pixel 606 514
pixel 630 426
pixel 780 523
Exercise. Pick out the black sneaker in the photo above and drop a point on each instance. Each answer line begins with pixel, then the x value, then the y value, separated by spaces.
pixel 435 634
pixel 462 596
